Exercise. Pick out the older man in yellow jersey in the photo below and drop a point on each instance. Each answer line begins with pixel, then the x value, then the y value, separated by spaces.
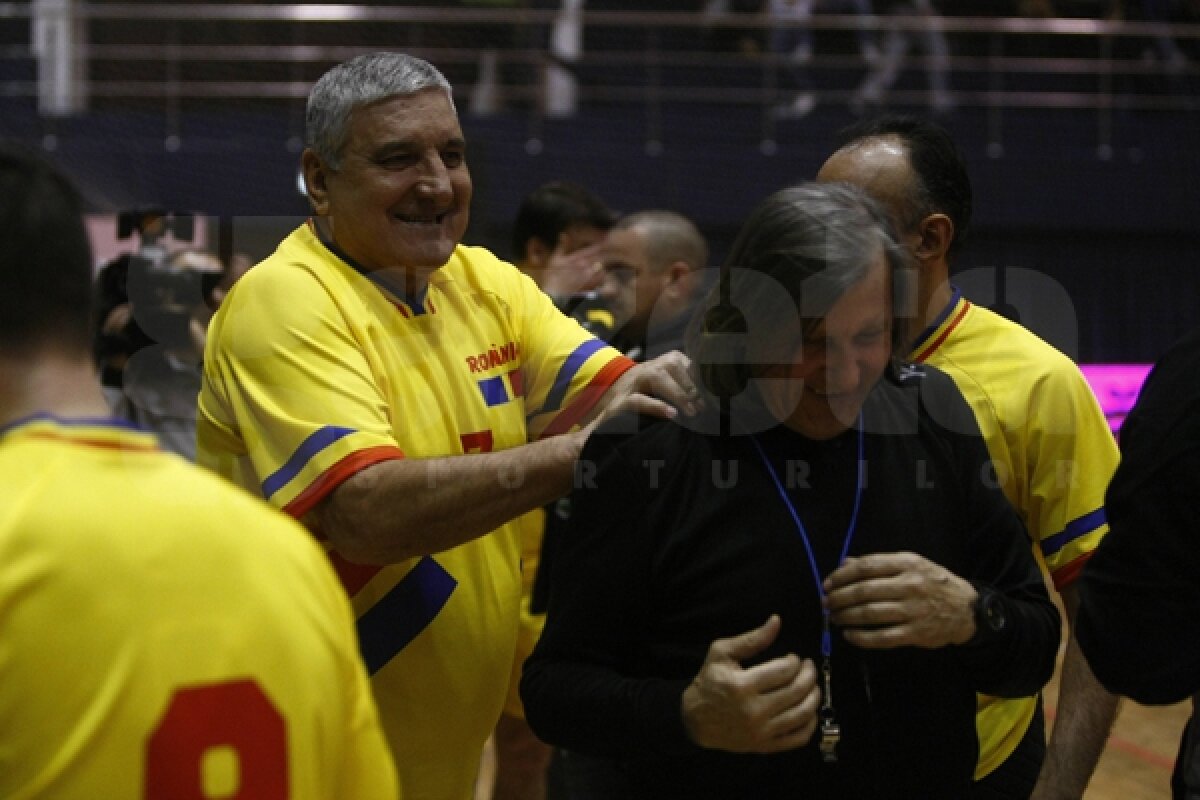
pixel 403 395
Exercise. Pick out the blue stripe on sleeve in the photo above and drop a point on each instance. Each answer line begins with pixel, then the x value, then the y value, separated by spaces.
pixel 570 367
pixel 314 444
pixel 402 613
pixel 1076 528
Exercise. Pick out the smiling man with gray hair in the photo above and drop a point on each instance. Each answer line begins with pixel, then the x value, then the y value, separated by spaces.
pixel 400 393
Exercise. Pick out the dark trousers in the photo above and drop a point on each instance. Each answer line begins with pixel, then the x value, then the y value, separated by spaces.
pixel 592 777
pixel 1016 777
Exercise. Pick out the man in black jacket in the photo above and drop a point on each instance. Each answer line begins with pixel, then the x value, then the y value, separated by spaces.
pixel 844 517
pixel 1140 592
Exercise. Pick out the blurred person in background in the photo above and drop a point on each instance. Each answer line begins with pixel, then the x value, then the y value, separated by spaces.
pixel 556 241
pixel 652 268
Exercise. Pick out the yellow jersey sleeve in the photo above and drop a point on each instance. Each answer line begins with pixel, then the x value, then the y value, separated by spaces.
pixel 1070 456
pixel 284 371
pixel 569 369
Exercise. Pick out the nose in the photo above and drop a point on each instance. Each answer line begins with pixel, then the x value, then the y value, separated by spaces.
pixel 434 181
pixel 842 370
pixel 607 288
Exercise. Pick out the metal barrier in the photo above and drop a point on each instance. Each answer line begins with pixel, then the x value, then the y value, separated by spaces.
pixel 552 61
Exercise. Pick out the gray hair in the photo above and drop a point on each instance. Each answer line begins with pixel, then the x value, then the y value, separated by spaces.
pixel 358 82
pixel 668 237
pixel 799 251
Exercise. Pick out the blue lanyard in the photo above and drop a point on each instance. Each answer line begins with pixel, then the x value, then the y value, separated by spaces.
pixel 826 638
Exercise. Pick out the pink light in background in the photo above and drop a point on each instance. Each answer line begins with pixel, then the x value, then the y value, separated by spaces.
pixel 1116 386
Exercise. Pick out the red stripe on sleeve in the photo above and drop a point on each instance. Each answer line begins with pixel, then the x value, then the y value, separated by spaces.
pixel 588 398
pixel 333 477
pixel 1067 574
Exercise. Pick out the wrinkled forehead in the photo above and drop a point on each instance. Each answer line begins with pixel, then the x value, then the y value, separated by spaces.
pixel 427 114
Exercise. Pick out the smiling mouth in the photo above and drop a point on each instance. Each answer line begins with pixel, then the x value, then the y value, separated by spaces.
pixel 831 398
pixel 422 219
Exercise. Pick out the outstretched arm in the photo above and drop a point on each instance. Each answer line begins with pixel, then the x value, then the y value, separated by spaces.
pixel 400 509
pixel 405 508
pixel 1085 715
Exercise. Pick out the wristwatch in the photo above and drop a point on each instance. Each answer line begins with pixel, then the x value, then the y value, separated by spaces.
pixel 990 619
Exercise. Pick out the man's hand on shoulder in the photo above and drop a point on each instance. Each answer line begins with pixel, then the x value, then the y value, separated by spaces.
pixel 661 387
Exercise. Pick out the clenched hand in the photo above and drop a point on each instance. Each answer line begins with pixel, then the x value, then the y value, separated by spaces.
pixel 767 708
pixel 886 600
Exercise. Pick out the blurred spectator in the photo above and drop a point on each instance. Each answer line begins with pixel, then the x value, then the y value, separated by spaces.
pixel 116 334
pixel 239 264
pixel 565 49
pixel 490 39
pixel 1160 47
pixel 555 241
pixel 161 382
pixel 731 38
pixel 653 269
pixel 897 40
pixel 791 38
pixel 501 79
pixel 653 264
pixel 556 237
pixel 868 45
pixel 152 315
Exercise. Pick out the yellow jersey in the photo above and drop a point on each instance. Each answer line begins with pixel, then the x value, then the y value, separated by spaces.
pixel 316 369
pixel 1052 450
pixel 165 635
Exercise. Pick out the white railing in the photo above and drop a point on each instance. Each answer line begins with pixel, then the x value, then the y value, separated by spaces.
pixel 106 54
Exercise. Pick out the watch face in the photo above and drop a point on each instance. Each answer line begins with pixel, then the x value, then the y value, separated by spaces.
pixel 993 611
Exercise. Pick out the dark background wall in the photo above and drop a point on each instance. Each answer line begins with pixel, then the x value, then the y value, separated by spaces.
pixel 1118 228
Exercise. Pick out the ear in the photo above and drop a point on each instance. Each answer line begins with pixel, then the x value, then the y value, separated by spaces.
pixel 937 232
pixel 680 278
pixel 537 253
pixel 316 181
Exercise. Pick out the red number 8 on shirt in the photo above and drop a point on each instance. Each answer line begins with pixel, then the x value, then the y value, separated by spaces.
pixel 235 716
